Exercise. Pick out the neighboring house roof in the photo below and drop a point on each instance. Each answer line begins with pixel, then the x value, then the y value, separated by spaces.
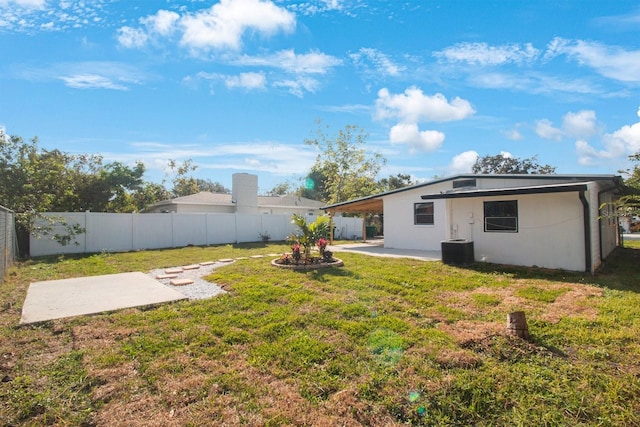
pixel 209 198
pixel 289 200
pixel 203 197
pixel 373 203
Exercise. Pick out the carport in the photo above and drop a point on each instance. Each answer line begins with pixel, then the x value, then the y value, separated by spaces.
pixel 366 205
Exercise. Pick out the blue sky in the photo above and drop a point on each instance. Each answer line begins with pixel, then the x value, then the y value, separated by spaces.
pixel 238 85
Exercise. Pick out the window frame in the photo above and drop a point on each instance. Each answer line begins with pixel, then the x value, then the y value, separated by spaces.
pixel 506 208
pixel 417 215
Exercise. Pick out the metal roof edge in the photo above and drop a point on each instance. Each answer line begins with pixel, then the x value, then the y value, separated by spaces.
pixel 535 189
pixel 596 177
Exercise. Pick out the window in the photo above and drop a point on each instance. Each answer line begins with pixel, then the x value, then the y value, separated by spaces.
pixel 501 216
pixel 464 183
pixel 423 213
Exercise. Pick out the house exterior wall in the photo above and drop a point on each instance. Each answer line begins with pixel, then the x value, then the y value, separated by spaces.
pixel 203 208
pixel 550 231
pixel 509 182
pixel 399 228
pixel 604 227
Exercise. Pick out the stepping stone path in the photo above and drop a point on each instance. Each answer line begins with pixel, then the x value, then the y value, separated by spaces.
pixel 181 282
pixel 188 278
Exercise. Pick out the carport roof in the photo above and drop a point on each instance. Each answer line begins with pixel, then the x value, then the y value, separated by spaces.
pixel 372 204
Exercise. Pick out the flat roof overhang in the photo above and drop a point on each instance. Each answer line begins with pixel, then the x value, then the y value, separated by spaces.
pixel 541 189
pixel 365 205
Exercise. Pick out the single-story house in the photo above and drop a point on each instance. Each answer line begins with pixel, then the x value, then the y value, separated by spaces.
pixel 244 199
pixel 552 221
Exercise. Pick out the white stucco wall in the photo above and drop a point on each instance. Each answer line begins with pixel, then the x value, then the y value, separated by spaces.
pixel 399 228
pixel 550 231
pixel 204 208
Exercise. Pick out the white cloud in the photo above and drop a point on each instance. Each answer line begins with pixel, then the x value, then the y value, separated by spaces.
pixel 288 60
pixel 413 106
pixel 609 61
pixel 163 22
pixel 38 4
pixel 405 133
pixel 463 162
pixel 382 64
pixel 91 81
pixel 484 54
pixel 299 86
pixel 581 124
pixel 546 130
pixel 223 25
pixel 92 75
pixel 131 37
pixel 513 134
pixel 623 142
pixel 247 81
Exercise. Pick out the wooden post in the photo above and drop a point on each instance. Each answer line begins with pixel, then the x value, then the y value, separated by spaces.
pixel 331 227
pixel 364 227
pixel 517 324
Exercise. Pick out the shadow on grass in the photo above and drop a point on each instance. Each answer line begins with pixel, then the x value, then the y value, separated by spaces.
pixel 620 271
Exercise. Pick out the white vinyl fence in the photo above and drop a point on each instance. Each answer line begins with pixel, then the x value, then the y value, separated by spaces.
pixel 113 232
pixel 8 240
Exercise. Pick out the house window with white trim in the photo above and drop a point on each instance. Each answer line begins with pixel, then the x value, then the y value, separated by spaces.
pixel 423 213
pixel 501 216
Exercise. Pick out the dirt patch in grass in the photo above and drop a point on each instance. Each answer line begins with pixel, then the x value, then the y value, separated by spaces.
pixel 466 330
pixel 573 303
pixel 573 300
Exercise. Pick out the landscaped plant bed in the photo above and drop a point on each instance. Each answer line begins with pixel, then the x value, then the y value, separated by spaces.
pixel 312 265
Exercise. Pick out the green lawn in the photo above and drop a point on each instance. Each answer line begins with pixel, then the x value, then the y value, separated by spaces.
pixel 378 342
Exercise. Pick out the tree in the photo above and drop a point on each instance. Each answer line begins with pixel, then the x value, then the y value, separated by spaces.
pixel 346 170
pixel 314 185
pixel 501 164
pixel 34 180
pixel 208 185
pixel 395 182
pixel 633 174
pixel 183 183
pixel 280 189
pixel 629 204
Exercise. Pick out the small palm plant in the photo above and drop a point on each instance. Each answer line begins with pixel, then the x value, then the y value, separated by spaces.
pixel 310 233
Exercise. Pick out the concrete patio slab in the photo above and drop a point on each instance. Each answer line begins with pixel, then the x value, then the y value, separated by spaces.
pixel 376 248
pixel 55 299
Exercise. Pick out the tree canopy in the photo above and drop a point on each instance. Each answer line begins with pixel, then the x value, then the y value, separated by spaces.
pixel 343 169
pixel 503 164
pixel 35 180
pixel 629 203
